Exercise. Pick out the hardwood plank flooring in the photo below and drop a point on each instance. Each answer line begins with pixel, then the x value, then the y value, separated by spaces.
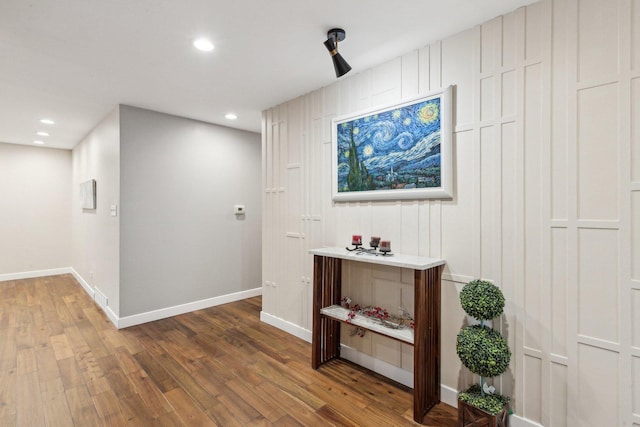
pixel 62 363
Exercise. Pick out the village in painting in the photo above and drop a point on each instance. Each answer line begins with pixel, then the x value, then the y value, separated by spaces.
pixel 391 150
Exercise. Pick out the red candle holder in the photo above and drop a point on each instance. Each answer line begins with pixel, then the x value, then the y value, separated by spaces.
pixel 356 240
pixel 385 246
pixel 375 242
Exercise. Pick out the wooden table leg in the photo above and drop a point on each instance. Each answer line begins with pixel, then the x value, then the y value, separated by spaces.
pixel 426 350
pixel 325 334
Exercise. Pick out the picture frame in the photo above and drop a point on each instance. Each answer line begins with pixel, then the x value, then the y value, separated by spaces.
pixel 88 194
pixel 396 152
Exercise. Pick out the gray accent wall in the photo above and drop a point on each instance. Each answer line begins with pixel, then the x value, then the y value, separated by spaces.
pixel 180 240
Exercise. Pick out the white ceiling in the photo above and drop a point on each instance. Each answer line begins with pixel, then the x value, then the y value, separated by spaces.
pixel 75 60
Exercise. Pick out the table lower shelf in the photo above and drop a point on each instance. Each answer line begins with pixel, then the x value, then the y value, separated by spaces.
pixel 337 312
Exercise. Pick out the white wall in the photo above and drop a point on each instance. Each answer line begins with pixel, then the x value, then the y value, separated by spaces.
pixel 35 216
pixel 95 233
pixel 180 240
pixel 546 203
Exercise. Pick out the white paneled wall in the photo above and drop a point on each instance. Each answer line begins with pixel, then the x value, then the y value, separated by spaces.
pixel 546 203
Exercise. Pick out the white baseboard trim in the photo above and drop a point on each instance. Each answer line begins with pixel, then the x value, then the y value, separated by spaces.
pixel 376 365
pixel 56 272
pixel 110 314
pixel 449 395
pixel 163 313
pixel 36 273
pixel 83 283
pixel 285 325
pixel 516 421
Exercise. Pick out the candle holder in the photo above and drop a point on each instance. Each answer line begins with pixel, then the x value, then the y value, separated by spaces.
pixel 377 246
pixel 356 240
pixel 385 247
pixel 375 242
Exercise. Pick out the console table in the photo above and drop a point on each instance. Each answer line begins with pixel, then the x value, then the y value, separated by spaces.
pixel 327 315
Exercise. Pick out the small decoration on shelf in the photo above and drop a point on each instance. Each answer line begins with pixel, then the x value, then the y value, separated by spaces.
pixel 381 315
pixel 357 330
pixel 377 246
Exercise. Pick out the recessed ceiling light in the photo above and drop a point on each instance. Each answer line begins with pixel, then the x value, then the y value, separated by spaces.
pixel 42 133
pixel 47 121
pixel 38 142
pixel 203 44
pixel 230 116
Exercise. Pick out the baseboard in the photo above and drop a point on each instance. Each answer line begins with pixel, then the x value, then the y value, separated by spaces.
pixel 285 325
pixel 36 273
pixel 516 421
pixel 84 284
pixel 163 313
pixel 376 365
pixel 449 395
pixel 137 319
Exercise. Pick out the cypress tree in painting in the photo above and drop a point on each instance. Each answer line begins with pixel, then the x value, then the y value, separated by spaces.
pixel 358 178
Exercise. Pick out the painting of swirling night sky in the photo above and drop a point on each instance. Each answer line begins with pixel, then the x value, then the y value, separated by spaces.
pixel 391 150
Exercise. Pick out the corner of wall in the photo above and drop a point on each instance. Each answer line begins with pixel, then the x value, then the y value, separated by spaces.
pixel 96 232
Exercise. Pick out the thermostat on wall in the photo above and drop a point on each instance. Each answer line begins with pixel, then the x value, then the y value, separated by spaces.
pixel 238 209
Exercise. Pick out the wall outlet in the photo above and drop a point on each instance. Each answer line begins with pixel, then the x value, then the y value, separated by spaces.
pixel 238 209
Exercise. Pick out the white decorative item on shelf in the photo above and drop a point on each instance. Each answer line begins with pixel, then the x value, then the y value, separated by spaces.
pixel 399 260
pixel 342 314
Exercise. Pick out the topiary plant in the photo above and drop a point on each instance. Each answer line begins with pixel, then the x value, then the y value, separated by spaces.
pixel 482 300
pixel 482 349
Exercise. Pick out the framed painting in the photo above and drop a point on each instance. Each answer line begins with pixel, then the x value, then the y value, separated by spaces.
pixel 88 194
pixel 402 151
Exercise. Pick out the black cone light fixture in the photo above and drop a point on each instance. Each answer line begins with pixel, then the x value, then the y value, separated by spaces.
pixel 333 37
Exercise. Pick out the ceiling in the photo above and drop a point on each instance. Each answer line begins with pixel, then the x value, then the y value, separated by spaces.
pixel 74 60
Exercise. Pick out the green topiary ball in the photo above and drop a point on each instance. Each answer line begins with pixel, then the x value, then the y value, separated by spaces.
pixel 491 403
pixel 482 300
pixel 483 350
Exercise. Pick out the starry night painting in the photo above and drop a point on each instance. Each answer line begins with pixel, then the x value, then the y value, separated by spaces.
pixel 395 152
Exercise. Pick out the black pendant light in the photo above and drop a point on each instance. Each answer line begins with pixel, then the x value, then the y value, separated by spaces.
pixel 333 37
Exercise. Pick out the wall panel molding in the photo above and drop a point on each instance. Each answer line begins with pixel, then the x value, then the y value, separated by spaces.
pixel 546 198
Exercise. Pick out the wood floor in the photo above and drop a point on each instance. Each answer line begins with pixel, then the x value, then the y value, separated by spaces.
pixel 62 363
